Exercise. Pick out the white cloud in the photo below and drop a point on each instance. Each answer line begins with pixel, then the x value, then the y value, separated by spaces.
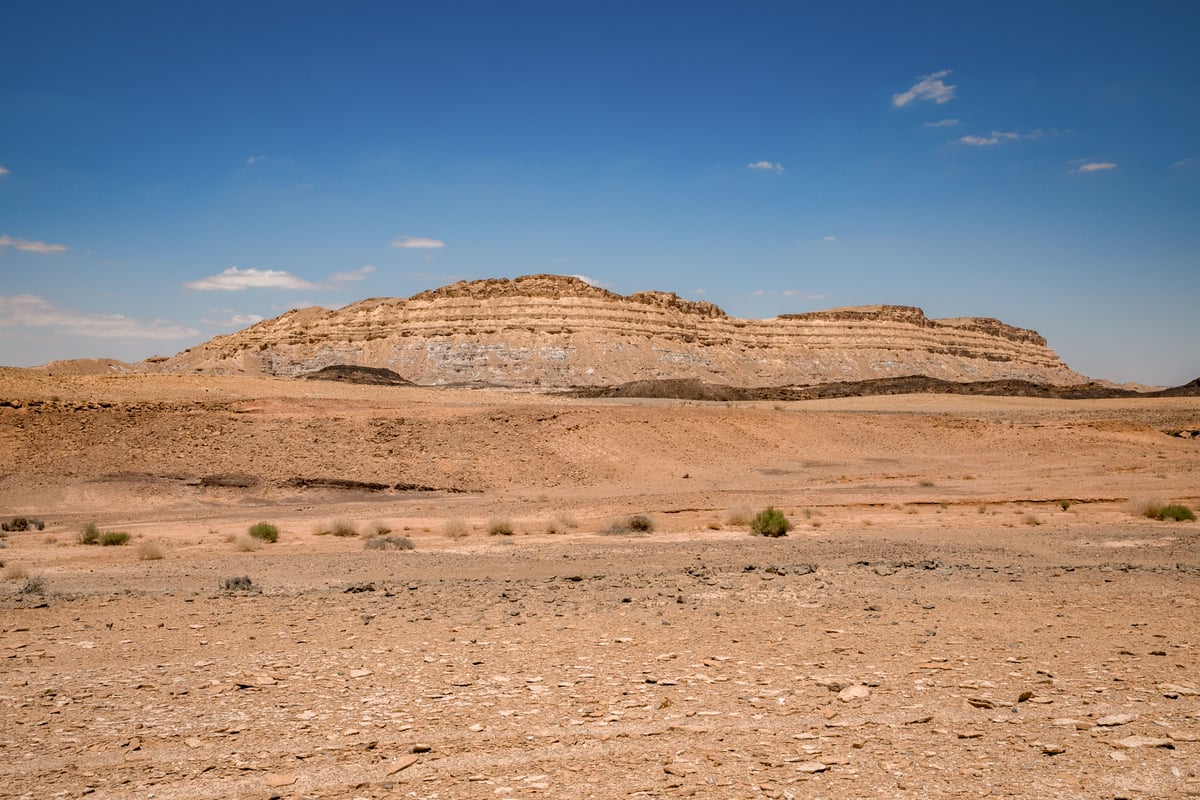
pixel 353 275
pixel 31 311
pixel 1184 162
pixel 252 160
pixel 41 248
pixel 776 167
pixel 700 291
pixel 1001 136
pixel 927 87
pixel 3 170
pixel 829 238
pixel 941 123
pixel 234 280
pixel 979 141
pixel 1095 166
pixel 418 243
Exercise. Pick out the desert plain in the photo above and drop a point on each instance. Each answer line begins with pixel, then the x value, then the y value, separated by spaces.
pixel 968 604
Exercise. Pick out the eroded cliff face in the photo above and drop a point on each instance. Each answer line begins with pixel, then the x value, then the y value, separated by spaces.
pixel 549 331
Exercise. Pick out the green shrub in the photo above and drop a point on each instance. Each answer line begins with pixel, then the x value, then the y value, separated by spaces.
pixel 113 538
pixel 264 532
pixel 1176 512
pixel 770 522
pixel 89 535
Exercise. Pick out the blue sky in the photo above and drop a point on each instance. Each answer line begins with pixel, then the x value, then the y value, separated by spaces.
pixel 172 171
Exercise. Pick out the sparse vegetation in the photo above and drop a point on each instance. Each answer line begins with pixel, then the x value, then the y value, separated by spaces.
pixel 379 528
pixel 1064 504
pixel 241 583
pixel 339 527
pixel 15 572
pixel 20 524
pixel 926 483
pixel 1176 512
pixel 246 543
pixel 114 538
pixel 35 584
pixel 264 532
pixel 770 522
pixel 500 526
pixel 456 529
pixel 561 523
pixel 739 515
pixel 622 526
pixel 148 550
pixel 1031 519
pixel 1153 508
pixel 641 523
pixel 89 535
pixel 388 543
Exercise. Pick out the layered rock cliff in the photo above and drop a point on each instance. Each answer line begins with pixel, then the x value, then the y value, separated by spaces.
pixel 552 331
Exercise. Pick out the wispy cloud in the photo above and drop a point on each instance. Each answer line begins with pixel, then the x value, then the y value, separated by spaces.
pixel 418 243
pixel 28 246
pixel 233 319
pixel 1095 166
pixel 3 170
pixel 787 293
pixel 996 137
pixel 941 123
pixel 1185 162
pixel 353 275
pixel 591 281
pixel 767 166
pixel 252 160
pixel 830 238
pixel 235 279
pixel 31 311
pixel 927 87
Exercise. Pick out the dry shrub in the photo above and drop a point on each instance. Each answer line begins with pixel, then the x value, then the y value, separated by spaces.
pixel 739 515
pixel 148 550
pixel 500 526
pixel 456 529
pixel 388 543
pixel 378 528
pixel 114 538
pixel 1031 519
pixel 637 523
pixel 89 535
pixel 339 527
pixel 1145 507
pixel 561 523
pixel 925 483
pixel 15 572
pixel 246 543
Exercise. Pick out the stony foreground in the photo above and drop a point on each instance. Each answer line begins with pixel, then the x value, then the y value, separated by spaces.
pixel 886 665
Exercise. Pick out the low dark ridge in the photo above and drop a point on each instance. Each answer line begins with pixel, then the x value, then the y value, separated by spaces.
pixel 688 389
pixel 352 373
pixel 365 486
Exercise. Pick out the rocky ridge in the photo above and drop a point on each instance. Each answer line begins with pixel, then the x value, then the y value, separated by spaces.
pixel 549 331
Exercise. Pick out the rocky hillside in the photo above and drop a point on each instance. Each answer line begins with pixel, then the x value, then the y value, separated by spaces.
pixel 552 331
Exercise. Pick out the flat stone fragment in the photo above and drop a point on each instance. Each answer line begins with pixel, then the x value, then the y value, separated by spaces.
pixel 1115 719
pixel 856 692
pixel 1132 742
pixel 812 767
pixel 402 763
pixel 275 780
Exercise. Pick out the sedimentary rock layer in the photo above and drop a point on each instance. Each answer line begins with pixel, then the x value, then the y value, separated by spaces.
pixel 552 331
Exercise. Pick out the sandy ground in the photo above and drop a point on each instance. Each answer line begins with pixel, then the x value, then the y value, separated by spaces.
pixel 937 624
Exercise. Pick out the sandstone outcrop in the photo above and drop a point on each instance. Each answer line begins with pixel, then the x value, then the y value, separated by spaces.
pixel 548 331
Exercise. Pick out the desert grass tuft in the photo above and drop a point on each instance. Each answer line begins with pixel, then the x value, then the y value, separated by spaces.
pixel 561 523
pixel 456 528
pixel 1031 519
pixel 114 538
pixel 500 526
pixel 148 550
pixel 388 543
pixel 339 527
pixel 246 543
pixel 14 572
pixel 739 515
pixel 623 526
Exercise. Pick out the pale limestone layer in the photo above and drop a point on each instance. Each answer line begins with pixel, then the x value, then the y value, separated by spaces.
pixel 551 331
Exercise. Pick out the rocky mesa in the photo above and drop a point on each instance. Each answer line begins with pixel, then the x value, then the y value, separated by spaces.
pixel 550 331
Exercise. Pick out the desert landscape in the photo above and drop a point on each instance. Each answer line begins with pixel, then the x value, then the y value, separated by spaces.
pixel 500 593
